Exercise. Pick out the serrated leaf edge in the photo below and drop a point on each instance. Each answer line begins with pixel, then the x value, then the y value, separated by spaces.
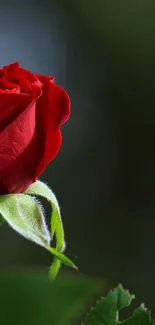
pixel 104 297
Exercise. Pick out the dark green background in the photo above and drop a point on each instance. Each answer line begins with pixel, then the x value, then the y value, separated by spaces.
pixel 103 54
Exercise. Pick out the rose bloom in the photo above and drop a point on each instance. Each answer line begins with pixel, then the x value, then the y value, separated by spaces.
pixel 32 109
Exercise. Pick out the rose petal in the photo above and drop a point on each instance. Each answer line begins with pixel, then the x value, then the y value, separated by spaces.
pixel 24 85
pixel 6 86
pixel 14 70
pixel 17 147
pixel 56 99
pixel 11 105
pixel 52 110
pixel 30 127
pixel 8 69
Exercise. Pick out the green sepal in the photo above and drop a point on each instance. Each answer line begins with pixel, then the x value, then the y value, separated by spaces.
pixel 25 215
pixel 40 189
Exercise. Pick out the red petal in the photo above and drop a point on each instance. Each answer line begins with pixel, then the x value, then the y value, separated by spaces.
pixel 30 133
pixel 52 110
pixel 14 70
pixel 11 105
pixel 17 152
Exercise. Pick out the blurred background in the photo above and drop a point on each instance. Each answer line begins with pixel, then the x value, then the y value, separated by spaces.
pixel 103 54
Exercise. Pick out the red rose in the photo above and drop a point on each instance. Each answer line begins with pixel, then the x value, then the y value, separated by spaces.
pixel 32 109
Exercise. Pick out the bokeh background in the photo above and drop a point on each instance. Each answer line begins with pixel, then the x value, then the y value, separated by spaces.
pixel 103 54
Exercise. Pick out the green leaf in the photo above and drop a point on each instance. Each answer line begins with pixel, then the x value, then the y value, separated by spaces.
pixel 64 259
pixel 25 215
pixel 40 189
pixel 30 299
pixel 139 317
pixel 106 311
pixel 54 269
pixel 57 228
pixel 1 220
